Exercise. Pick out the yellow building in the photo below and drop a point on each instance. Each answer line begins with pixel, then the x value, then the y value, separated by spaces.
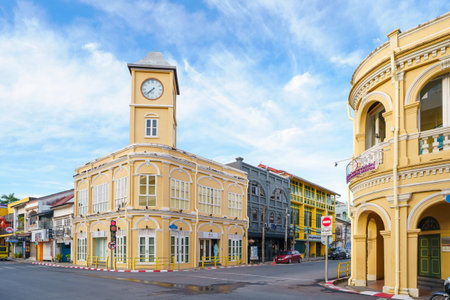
pixel 171 207
pixel 309 203
pixel 400 174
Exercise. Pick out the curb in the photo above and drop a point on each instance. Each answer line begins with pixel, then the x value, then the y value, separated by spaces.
pixel 330 285
pixel 136 271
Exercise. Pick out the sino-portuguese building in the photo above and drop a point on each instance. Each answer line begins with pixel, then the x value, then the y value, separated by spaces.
pixel 170 206
pixel 400 173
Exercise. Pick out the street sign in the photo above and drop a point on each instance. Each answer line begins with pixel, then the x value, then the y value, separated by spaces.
pixel 447 198
pixel 327 226
pixel 112 245
pixel 173 227
pixel 9 230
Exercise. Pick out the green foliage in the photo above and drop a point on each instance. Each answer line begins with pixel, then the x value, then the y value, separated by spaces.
pixel 59 257
pixel 68 257
pixel 5 199
pixel 18 255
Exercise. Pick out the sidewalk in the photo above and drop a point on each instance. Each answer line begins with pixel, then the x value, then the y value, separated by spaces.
pixel 373 288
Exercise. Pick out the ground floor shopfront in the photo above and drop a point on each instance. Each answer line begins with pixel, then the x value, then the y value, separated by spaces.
pixel 273 246
pixel 159 242
pixel 316 248
pixel 423 241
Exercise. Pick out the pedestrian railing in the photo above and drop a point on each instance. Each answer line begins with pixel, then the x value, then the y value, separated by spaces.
pixel 221 260
pixel 95 261
pixel 339 271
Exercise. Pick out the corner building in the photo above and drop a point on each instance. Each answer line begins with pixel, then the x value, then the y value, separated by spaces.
pixel 171 207
pixel 400 174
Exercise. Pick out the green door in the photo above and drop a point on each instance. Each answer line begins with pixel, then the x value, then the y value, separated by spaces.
pixel 430 256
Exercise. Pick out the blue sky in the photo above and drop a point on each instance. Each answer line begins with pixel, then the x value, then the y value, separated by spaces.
pixel 265 80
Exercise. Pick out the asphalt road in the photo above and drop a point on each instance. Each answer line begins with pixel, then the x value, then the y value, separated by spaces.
pixel 294 281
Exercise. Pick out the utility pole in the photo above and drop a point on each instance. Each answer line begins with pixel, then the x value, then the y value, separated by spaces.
pixel 263 232
pixel 295 226
pixel 286 229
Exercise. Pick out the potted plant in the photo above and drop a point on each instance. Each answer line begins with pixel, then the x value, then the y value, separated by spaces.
pixel 59 257
pixel 68 257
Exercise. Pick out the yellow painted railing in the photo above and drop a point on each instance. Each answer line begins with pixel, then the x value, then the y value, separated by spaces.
pixel 346 268
pixel 222 260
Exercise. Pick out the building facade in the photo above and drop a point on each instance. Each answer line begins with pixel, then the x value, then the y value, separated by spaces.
pixel 62 228
pixel 400 172
pixel 170 206
pixel 269 190
pixel 309 203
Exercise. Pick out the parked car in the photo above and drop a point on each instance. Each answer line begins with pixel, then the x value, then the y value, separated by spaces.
pixel 288 257
pixel 338 253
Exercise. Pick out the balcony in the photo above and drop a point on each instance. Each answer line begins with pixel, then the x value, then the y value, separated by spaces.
pixel 369 160
pixel 434 141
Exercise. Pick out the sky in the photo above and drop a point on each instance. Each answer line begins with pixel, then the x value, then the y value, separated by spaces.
pixel 264 80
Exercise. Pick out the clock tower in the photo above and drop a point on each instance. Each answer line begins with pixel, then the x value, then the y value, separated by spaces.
pixel 154 90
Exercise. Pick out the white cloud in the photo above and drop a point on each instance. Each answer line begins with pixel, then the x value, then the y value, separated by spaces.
pixel 352 59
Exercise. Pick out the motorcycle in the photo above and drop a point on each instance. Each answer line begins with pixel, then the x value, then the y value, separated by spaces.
pixel 442 295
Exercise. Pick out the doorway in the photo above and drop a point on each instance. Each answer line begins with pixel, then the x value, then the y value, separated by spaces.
pixel 100 248
pixel 208 249
pixel 430 255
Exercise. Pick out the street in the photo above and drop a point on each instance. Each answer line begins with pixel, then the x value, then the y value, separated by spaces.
pixel 294 281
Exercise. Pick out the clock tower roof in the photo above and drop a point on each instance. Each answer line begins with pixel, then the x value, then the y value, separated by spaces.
pixel 155 61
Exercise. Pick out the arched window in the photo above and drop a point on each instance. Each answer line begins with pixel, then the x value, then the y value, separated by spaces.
pixel 434 110
pixel 278 195
pixel 375 125
pixel 272 218
pixel 254 215
pixel 256 189
pixel 429 223
pixel 431 105
pixel 279 220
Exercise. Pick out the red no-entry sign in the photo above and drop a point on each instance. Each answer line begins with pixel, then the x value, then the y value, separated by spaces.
pixel 327 226
pixel 326 221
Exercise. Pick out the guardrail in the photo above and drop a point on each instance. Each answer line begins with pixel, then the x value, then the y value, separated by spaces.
pixel 346 269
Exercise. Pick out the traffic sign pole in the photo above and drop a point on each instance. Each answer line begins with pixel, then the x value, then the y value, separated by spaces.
pixel 326 230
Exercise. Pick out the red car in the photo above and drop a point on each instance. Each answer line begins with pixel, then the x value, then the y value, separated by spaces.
pixel 288 257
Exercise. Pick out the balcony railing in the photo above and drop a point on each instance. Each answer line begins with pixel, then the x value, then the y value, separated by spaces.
pixel 369 160
pixel 435 140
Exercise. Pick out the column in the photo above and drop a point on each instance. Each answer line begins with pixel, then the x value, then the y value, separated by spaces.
pixel 413 236
pixel 389 262
pixel 359 259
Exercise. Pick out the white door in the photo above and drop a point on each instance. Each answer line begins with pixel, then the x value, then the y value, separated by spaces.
pixel 146 248
pixel 205 249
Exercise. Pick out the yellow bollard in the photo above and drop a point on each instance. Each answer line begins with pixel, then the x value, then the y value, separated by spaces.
pixel 133 263
pixel 115 263
pixel 96 262
pixel 107 262
pixel 203 262
pixel 346 271
pixel 215 261
pixel 87 261
pixel 339 269
pixel 226 261
pixel 173 262
pixel 156 263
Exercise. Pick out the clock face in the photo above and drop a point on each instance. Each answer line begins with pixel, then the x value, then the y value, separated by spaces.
pixel 152 89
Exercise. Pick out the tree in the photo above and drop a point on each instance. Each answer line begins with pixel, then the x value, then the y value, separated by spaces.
pixel 5 199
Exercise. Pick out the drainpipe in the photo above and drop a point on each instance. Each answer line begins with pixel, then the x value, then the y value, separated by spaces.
pixel 395 173
pixel 196 216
